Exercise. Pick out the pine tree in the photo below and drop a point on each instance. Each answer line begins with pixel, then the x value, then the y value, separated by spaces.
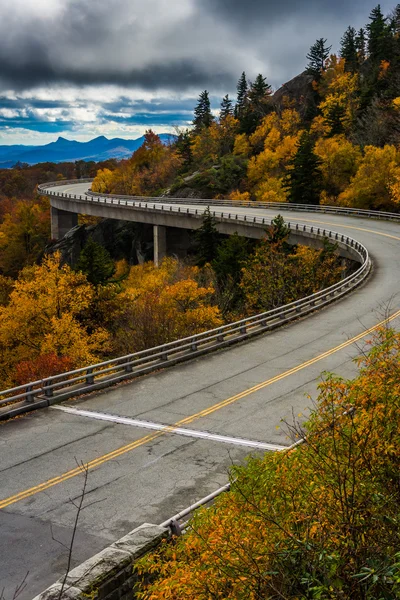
pixel 304 179
pixel 379 36
pixel 396 21
pixel 257 105
pixel 317 58
pixel 348 49
pixel 361 46
pixel 95 262
pixel 279 231
pixel 202 112
pixel 183 146
pixel 242 96
pixel 226 108
pixel 231 255
pixel 208 239
pixel 259 92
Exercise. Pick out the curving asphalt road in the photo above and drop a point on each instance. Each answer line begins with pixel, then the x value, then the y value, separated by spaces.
pixel 139 475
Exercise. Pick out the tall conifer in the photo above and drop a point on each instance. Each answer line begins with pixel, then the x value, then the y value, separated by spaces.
pixel 242 95
pixel 226 108
pixel 361 46
pixel 317 57
pixel 379 36
pixel 348 49
pixel 304 177
pixel 202 113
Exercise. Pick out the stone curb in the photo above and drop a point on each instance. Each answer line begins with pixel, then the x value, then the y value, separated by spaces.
pixel 110 574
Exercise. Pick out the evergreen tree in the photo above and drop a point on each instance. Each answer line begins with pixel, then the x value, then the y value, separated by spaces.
pixel 226 108
pixel 202 112
pixel 348 49
pixel 361 46
pixel 207 239
pixel 259 93
pixel 279 231
pixel 242 93
pixel 183 146
pixel 304 178
pixel 256 106
pixel 379 36
pixel 231 255
pixel 95 262
pixel 396 21
pixel 317 57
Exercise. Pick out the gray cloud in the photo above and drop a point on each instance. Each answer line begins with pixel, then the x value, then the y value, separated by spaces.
pixel 193 44
pixel 264 13
pixel 59 59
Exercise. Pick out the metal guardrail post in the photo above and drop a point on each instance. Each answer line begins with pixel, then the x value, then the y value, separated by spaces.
pixel 30 397
pixel 48 391
pixel 89 376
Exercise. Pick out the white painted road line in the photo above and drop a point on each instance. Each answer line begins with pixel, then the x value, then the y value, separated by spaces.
pixel 169 429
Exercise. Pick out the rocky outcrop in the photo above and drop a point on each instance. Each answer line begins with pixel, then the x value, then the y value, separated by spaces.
pixel 298 91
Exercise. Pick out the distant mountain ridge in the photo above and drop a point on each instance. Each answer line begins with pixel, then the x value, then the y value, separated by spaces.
pixel 64 150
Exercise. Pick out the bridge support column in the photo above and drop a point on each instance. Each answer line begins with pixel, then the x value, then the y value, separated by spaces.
pixel 61 222
pixel 160 243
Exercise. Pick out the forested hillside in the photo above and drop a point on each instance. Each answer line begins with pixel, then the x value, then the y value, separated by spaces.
pixel 330 136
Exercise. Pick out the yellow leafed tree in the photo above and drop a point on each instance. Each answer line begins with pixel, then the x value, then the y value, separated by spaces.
pixel 42 317
pixel 163 304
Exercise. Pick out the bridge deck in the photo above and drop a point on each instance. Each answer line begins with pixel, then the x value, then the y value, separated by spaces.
pixel 140 475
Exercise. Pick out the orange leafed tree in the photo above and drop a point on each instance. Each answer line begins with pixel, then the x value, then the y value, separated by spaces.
pixel 159 305
pixel 42 318
pixel 320 521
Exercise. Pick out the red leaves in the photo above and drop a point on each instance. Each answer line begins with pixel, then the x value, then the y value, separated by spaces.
pixel 41 367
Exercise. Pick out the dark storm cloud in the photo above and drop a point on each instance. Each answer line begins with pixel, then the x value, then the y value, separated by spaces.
pixel 179 75
pixel 181 45
pixel 88 46
pixel 264 13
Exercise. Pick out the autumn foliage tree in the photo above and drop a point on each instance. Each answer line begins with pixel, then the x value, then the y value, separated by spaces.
pixel 319 521
pixel 23 234
pixel 42 319
pixel 160 305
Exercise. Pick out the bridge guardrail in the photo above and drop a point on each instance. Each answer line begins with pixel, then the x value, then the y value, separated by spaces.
pixel 324 209
pixel 93 377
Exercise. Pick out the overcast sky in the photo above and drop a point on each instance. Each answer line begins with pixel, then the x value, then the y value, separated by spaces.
pixel 82 68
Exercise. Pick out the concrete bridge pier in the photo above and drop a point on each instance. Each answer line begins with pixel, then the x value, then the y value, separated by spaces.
pixel 61 222
pixel 160 243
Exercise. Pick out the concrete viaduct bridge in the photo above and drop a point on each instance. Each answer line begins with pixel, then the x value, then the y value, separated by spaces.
pixel 165 440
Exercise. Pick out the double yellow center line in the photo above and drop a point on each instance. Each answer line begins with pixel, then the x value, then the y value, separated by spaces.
pixel 204 413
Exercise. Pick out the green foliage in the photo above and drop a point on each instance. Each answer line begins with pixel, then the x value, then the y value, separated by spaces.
pixel 222 178
pixel 317 57
pixel 226 108
pixel 379 36
pixel 279 231
pixel 95 262
pixel 361 45
pixel 348 49
pixel 202 112
pixel 304 177
pixel 231 256
pixel 242 99
pixel 207 240
pixel 183 147
pixel 320 521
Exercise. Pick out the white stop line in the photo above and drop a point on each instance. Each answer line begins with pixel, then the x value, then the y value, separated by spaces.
pixel 204 435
